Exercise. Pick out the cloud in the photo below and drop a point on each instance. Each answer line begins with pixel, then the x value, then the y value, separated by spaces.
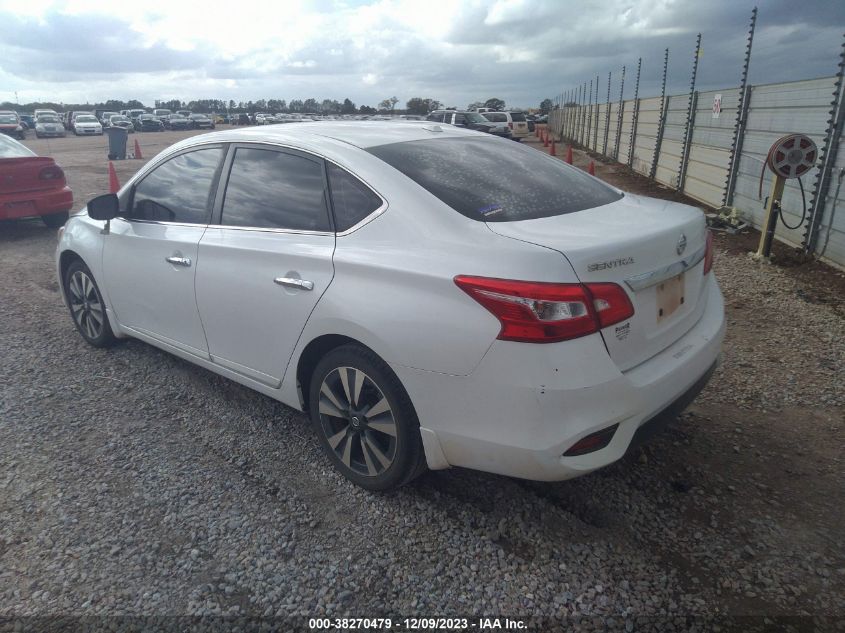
pixel 457 52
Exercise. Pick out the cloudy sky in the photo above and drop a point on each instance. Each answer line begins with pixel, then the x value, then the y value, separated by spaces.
pixel 456 51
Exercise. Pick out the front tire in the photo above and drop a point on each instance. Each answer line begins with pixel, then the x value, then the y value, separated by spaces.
pixel 364 419
pixel 55 220
pixel 87 308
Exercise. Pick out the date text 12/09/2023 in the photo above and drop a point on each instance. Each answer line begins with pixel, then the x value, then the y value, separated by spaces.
pixel 418 624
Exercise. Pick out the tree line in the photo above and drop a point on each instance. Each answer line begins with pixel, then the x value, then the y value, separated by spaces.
pixel 414 105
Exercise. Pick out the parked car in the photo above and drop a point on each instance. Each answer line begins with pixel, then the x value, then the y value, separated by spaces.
pixel 105 118
pixel 463 118
pixel 242 119
pixel 27 121
pixel 135 113
pixel 49 126
pixel 201 122
pixel 32 185
pixel 86 125
pixel 515 121
pixel 148 123
pixel 178 122
pixel 11 125
pixel 120 120
pixel 184 113
pixel 541 322
pixel 162 114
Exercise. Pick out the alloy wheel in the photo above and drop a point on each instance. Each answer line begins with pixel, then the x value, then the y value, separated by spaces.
pixel 357 421
pixel 86 306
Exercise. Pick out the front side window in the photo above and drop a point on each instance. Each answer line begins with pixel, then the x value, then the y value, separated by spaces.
pixel 275 190
pixel 352 199
pixel 178 190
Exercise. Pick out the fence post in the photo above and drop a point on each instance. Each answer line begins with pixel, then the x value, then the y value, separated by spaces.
pixel 619 113
pixel 741 114
pixel 828 158
pixel 635 115
pixel 596 131
pixel 589 118
pixel 664 106
pixel 691 103
pixel 606 117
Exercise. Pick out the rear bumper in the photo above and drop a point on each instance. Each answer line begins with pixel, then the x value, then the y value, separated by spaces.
pixel 35 203
pixel 526 405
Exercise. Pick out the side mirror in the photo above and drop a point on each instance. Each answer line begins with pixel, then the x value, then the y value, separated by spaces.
pixel 105 207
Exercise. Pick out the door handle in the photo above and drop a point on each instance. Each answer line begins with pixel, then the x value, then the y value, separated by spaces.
pixel 290 282
pixel 178 261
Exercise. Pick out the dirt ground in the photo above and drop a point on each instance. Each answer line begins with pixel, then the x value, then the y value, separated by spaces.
pixel 739 504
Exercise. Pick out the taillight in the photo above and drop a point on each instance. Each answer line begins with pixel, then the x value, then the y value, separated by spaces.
pixel 510 124
pixel 539 312
pixel 708 253
pixel 52 172
pixel 611 303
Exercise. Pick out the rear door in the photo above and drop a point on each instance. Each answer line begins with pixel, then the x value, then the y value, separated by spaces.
pixel 150 255
pixel 266 260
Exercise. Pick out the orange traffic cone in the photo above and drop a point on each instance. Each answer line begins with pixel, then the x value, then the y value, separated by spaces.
pixel 592 168
pixel 137 149
pixel 545 138
pixel 569 154
pixel 552 151
pixel 114 185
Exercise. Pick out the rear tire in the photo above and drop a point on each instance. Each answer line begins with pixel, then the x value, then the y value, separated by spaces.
pixel 379 452
pixel 55 220
pixel 87 308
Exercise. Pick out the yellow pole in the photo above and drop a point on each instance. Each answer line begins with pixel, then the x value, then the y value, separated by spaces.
pixel 772 211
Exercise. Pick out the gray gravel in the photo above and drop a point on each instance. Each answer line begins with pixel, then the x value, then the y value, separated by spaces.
pixel 134 483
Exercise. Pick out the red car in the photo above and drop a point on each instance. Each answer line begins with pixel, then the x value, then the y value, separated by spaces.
pixel 32 185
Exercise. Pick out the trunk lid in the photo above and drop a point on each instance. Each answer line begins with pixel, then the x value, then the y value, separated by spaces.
pixel 22 174
pixel 652 248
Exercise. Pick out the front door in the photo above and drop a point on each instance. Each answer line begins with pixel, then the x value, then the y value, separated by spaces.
pixel 150 255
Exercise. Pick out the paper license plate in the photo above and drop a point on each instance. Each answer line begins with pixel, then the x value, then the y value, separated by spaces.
pixel 670 297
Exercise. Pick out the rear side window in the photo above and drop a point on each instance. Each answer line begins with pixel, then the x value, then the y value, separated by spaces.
pixel 178 190
pixel 492 180
pixel 352 199
pixel 275 190
pixel 517 116
pixel 496 117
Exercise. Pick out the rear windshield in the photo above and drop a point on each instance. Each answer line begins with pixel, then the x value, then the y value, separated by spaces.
pixel 12 149
pixel 517 116
pixel 494 180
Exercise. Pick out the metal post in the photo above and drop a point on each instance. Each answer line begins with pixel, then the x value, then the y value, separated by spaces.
pixel 741 117
pixel 619 113
pixel 583 110
pixel 828 159
pixel 590 116
pixel 635 115
pixel 691 103
pixel 664 102
pixel 606 117
pixel 596 131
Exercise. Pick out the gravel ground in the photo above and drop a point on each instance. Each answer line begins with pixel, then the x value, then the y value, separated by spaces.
pixel 133 483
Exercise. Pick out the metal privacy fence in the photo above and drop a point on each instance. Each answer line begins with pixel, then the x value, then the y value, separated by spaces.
pixel 687 142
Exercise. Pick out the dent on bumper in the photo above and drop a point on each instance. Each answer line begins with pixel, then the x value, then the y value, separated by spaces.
pixel 524 406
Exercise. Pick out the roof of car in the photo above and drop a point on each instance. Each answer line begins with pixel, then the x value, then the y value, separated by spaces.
pixel 362 134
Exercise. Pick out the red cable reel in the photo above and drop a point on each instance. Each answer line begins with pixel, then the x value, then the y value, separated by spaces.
pixel 790 156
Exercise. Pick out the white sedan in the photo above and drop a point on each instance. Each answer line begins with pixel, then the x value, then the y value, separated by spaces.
pixel 430 296
pixel 86 124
